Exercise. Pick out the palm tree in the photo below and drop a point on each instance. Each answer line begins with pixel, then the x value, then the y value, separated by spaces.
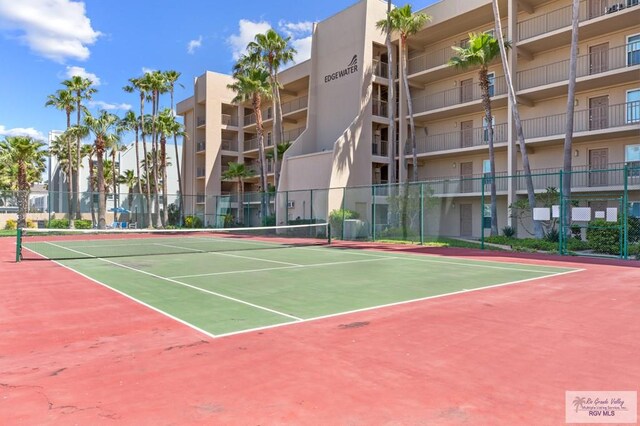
pixel 278 152
pixel 64 151
pixel 171 77
pixel 82 90
pixel 64 100
pixel 140 84
pixel 531 196
pixel 114 149
pixel 167 126
pixel 571 96
pixel 273 51
pixel 240 172
pixel 403 21
pixel 88 151
pixel 391 97
pixel 481 51
pixel 104 129
pixel 27 159
pixel 253 85
pixel 132 182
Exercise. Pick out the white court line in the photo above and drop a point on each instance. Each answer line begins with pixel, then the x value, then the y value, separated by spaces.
pixel 404 302
pixel 282 267
pixel 128 296
pixel 229 255
pixel 181 283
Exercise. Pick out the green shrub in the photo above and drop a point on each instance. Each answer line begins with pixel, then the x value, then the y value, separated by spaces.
pixel 58 223
pixel 228 220
pixel 397 234
pixel 337 216
pixel 508 231
pixel 82 224
pixel 604 237
pixel 174 214
pixel 11 224
pixel 192 222
pixel 553 235
pixel 270 220
pixel 500 239
pixel 576 244
pixel 634 251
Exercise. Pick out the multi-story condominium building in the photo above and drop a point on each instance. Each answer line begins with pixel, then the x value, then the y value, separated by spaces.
pixel 335 111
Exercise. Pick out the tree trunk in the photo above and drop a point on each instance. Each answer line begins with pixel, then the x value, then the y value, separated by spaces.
pixel 146 164
pixel 391 107
pixel 412 124
pixel 163 166
pixel 278 128
pixel 138 184
pixel 571 96
pixel 78 165
pixel 175 145
pixel 154 146
pixel 531 196
pixel 91 191
pixel 486 104
pixel 262 159
pixel 23 195
pixel 240 202
pixel 116 201
pixel 69 172
pixel 102 202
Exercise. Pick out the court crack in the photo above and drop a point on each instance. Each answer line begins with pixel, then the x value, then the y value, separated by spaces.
pixel 190 345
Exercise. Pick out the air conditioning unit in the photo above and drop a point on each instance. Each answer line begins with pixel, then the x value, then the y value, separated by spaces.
pixel 291 204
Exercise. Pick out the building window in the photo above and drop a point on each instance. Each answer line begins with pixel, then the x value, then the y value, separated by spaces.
pixel 486 168
pixel 633 50
pixel 486 218
pixel 632 158
pixel 634 209
pixel 492 83
pixel 485 128
pixel 633 106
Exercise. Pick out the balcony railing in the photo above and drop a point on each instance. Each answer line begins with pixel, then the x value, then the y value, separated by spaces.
pixel 581 177
pixel 589 64
pixel 627 114
pixel 561 18
pixel 460 95
pixel 467 184
pixel 200 199
pixel 294 105
pixel 200 121
pixel 252 144
pixel 229 120
pixel 379 147
pixel 200 172
pixel 379 108
pixel 292 135
pixel 229 145
pixel 380 69
pixel 201 146
pixel 459 139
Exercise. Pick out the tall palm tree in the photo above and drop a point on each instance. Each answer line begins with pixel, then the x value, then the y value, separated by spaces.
pixel 167 126
pixel 278 152
pixel 27 159
pixel 141 85
pixel 171 78
pixel 253 85
pixel 391 96
pixel 63 150
pixel 82 90
pixel 403 21
pixel 64 100
pixel 114 149
pixel 571 96
pixel 130 179
pixel 88 151
pixel 274 51
pixel 104 129
pixel 531 196
pixel 481 51
pixel 239 172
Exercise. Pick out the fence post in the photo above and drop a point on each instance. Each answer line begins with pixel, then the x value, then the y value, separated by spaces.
pixel 286 207
pixel 311 206
pixel 625 213
pixel 373 213
pixel 18 244
pixel 562 213
pixel 422 214
pixel 482 210
pixel 344 196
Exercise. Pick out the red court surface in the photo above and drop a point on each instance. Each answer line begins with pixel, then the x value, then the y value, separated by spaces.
pixel 73 352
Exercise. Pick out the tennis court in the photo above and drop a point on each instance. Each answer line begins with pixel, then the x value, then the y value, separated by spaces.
pixel 222 282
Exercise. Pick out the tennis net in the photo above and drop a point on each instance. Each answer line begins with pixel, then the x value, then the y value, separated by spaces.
pixel 59 244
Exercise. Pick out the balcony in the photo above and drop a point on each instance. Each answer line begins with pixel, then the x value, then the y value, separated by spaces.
pixel 200 199
pixel 252 144
pixel 229 145
pixel 292 135
pixel 612 66
pixel 587 124
pixel 466 185
pixel 379 108
pixel 228 120
pixel 553 29
pixel 201 121
pixel 379 148
pixel 583 176
pixel 250 119
pixel 294 105
pixel 201 147
pixel 460 139
pixel 200 172
pixel 380 69
pixel 467 94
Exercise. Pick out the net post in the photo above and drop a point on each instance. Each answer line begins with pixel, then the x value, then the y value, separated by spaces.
pixel 18 244
pixel 482 210
pixel 562 213
pixel 286 207
pixel 311 206
pixel 421 214
pixel 373 213
pixel 344 196
pixel 328 232
pixel 625 213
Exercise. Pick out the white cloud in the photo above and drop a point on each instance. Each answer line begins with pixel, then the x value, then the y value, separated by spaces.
pixel 108 106
pixel 193 45
pixel 147 70
pixel 55 29
pixel 303 46
pixel 294 29
pixel 81 72
pixel 20 131
pixel 247 31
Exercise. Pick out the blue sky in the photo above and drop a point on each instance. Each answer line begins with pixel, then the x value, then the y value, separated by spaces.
pixel 45 41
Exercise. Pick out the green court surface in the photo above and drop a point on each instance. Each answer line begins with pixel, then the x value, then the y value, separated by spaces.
pixel 224 286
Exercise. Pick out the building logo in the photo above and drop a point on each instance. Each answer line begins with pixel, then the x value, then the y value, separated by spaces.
pixel 601 406
pixel 350 69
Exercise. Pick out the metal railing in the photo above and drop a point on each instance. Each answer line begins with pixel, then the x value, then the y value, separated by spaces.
pixel 379 108
pixel 201 146
pixel 379 147
pixel 200 121
pixel 561 18
pixel 295 105
pixel 292 135
pixel 229 145
pixel 465 184
pixel 589 64
pixel 229 120
pixel 252 144
pixel 584 176
pixel 380 69
pixel 200 199
pixel 200 172
pixel 627 114
pixel 457 96
pixel 477 136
